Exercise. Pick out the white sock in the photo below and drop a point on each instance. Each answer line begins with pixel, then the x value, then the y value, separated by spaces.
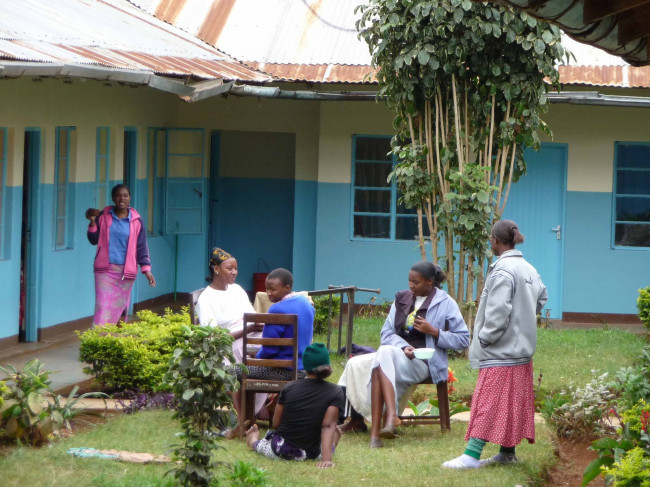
pixel 463 461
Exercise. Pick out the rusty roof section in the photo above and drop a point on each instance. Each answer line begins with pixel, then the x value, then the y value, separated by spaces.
pixel 316 41
pixel 113 34
pixel 300 32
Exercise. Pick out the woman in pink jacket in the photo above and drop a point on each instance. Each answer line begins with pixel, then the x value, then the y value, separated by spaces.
pixel 121 239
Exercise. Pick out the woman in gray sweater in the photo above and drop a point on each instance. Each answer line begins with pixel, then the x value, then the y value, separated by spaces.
pixel 505 336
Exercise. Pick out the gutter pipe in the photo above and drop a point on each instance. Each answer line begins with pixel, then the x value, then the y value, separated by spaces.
pixel 570 97
pixel 217 87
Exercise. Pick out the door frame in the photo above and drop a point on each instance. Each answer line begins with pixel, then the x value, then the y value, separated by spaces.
pixel 34 260
pixel 565 175
pixel 213 189
pixel 565 171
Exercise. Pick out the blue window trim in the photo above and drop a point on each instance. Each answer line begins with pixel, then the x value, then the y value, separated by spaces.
pixel 158 199
pixel 105 187
pixel 615 195
pixel 171 182
pixel 67 218
pixel 4 212
pixel 393 215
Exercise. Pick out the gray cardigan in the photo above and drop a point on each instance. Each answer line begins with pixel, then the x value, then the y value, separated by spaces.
pixel 441 308
pixel 505 330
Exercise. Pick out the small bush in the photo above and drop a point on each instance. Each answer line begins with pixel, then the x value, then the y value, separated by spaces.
pixel 133 401
pixel 135 355
pixel 581 411
pixel 3 390
pixel 631 471
pixel 375 308
pixel 32 413
pixel 643 304
pixel 322 316
pixel 197 375
pixel 245 474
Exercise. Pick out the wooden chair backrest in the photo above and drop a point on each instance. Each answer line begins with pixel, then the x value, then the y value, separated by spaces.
pixel 194 298
pixel 272 319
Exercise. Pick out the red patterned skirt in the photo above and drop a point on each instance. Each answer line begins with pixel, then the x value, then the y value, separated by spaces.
pixel 503 406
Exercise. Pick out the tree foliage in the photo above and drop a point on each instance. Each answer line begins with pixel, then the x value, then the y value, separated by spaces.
pixel 466 81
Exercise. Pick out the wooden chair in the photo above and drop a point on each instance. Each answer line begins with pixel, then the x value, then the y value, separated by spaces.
pixel 194 298
pixel 443 405
pixel 250 386
pixel 443 418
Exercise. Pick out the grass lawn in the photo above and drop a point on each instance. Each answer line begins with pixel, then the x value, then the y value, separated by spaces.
pixel 562 356
pixel 422 448
pixel 415 458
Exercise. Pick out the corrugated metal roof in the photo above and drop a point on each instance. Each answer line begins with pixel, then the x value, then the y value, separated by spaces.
pixel 316 40
pixel 109 33
pixel 270 31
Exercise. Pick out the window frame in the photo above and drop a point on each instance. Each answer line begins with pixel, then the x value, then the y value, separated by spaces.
pixel 105 187
pixel 5 226
pixel 155 183
pixel 68 231
pixel 615 195
pixel 393 215
pixel 172 186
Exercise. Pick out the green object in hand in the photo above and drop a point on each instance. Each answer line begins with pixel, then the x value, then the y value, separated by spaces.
pixel 410 321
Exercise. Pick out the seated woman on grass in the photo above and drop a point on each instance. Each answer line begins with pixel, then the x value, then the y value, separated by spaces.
pixel 279 284
pixel 305 419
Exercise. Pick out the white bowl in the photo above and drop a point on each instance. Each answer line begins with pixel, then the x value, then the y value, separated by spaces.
pixel 424 353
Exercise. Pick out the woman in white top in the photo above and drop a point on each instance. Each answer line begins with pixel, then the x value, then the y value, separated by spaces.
pixel 223 303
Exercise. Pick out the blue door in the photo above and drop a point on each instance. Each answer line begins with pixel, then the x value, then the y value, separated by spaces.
pixel 536 203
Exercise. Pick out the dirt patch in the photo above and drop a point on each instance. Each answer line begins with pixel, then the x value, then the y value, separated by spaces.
pixel 573 458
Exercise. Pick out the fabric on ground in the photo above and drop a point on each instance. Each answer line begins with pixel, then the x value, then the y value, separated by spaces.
pixel 123 456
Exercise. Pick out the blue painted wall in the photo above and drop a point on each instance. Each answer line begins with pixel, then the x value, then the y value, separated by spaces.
pixel 342 261
pixel 599 279
pixel 255 221
pixel 304 239
pixel 67 281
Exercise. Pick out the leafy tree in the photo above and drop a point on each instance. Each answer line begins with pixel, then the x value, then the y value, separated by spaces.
pixel 466 81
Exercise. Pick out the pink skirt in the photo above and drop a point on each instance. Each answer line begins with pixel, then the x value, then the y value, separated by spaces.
pixel 503 406
pixel 112 295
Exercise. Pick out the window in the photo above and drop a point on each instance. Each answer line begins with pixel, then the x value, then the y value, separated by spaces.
pixel 375 210
pixel 185 169
pixel 63 193
pixel 4 226
pixel 156 142
pixel 103 167
pixel 632 195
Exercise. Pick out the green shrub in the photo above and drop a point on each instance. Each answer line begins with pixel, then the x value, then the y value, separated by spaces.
pixel 581 411
pixel 197 376
pixel 135 355
pixel 322 316
pixel 3 390
pixel 634 417
pixel 245 474
pixel 633 470
pixel 643 303
pixel 31 412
